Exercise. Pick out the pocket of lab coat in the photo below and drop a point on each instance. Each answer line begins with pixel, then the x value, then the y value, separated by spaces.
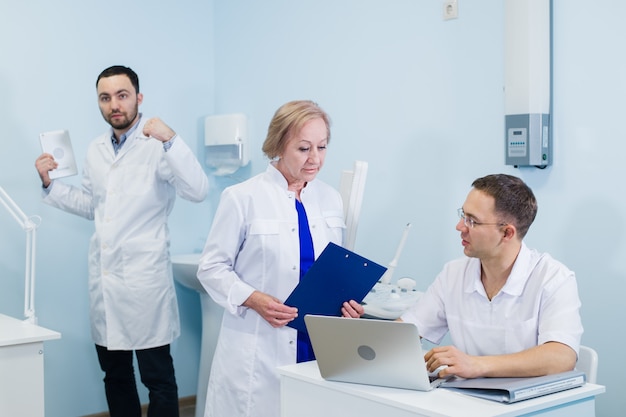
pixel 144 264
pixel 138 179
pixel 334 219
pixel 264 227
pixel 335 224
pixel 264 238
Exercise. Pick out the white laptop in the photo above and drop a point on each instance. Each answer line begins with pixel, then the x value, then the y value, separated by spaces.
pixel 370 351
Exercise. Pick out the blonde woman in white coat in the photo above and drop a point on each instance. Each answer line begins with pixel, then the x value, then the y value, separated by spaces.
pixel 131 177
pixel 266 232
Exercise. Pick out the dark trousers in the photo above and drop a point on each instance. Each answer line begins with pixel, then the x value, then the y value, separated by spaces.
pixel 156 369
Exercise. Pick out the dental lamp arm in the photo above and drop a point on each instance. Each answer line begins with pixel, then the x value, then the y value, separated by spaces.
pixel 386 278
pixel 29 226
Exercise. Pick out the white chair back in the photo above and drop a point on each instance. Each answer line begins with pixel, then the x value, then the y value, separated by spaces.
pixel 588 362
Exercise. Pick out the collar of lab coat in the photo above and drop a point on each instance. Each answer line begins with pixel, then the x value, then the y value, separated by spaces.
pixel 277 177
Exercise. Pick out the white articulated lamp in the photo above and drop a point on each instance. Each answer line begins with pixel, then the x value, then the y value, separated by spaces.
pixel 21 341
pixel 29 224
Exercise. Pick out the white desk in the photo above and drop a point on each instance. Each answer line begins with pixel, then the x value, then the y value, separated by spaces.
pixel 305 394
pixel 21 367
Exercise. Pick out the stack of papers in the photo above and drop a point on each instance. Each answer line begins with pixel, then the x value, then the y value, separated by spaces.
pixel 510 390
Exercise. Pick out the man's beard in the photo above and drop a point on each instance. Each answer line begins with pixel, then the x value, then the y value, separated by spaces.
pixel 121 123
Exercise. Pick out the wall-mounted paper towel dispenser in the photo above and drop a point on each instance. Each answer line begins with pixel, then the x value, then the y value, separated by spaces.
pixel 226 142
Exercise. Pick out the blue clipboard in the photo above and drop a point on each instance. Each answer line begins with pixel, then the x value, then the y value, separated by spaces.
pixel 336 276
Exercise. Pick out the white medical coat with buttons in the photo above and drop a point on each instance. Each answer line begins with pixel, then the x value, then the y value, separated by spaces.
pixel 129 196
pixel 254 245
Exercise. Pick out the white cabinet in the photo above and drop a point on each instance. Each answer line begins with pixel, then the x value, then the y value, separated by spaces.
pixel 21 367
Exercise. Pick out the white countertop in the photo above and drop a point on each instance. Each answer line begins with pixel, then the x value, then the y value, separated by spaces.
pixel 16 332
pixel 438 401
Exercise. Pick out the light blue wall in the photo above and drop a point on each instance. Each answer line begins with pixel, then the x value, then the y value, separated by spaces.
pixel 417 97
pixel 421 99
pixel 51 53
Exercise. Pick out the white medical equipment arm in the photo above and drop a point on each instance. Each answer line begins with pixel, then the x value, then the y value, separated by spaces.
pixel 29 224
pixel 386 278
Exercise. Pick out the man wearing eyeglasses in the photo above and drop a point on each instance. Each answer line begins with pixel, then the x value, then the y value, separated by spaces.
pixel 511 311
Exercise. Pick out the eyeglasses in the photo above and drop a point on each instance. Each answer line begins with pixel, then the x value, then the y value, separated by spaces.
pixel 469 222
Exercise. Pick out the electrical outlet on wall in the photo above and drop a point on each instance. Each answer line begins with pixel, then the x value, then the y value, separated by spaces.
pixel 450 9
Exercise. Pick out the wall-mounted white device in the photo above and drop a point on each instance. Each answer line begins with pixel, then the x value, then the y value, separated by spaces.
pixel 226 142
pixel 527 82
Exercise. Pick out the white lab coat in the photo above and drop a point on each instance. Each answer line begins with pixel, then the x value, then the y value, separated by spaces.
pixel 254 245
pixel 129 196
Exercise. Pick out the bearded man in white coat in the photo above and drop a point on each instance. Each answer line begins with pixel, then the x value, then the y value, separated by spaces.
pixel 132 174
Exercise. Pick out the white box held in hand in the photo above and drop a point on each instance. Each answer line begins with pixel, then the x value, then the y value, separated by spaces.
pixel 57 143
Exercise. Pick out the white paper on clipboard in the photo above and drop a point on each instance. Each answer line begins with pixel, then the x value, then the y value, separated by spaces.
pixel 57 143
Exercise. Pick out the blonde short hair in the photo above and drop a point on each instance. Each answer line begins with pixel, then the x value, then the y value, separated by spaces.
pixel 289 120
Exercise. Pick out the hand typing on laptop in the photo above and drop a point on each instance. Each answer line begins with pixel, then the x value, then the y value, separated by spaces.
pixel 448 360
pixel 436 373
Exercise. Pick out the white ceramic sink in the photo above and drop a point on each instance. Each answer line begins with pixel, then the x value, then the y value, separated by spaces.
pixel 185 267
